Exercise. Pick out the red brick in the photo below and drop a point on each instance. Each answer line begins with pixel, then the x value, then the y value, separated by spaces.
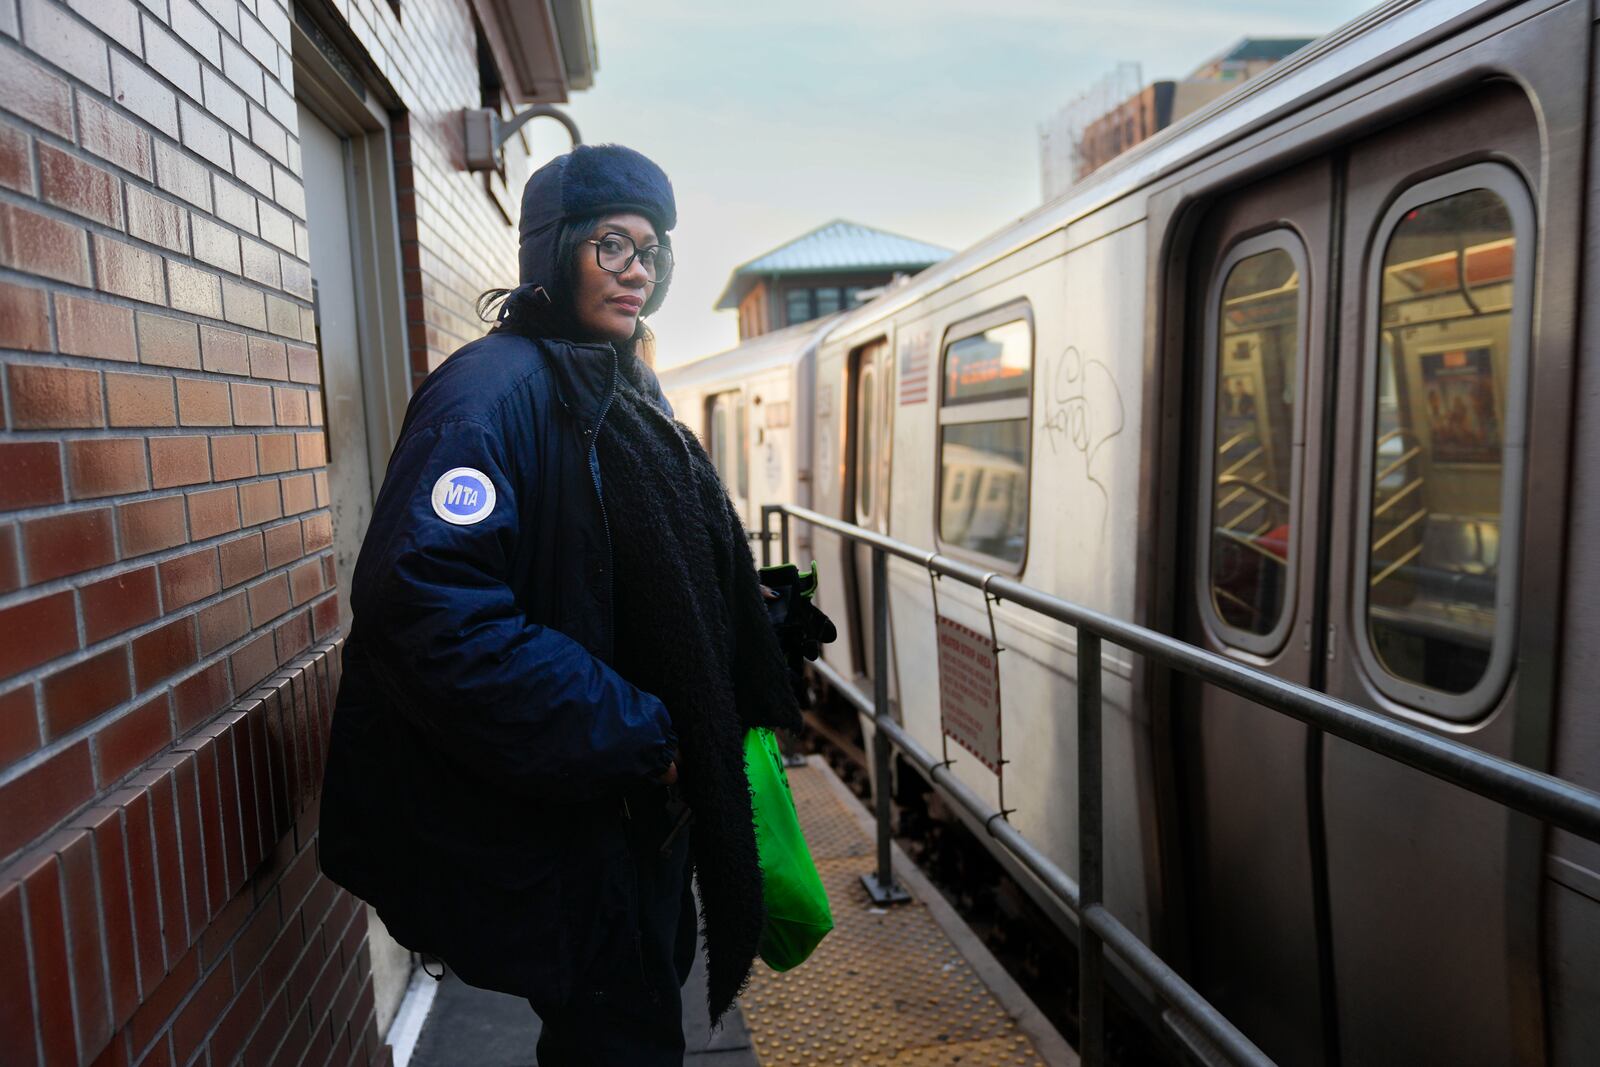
pixel 237 1024
pixel 24 318
pixel 290 405
pixel 318 531
pixel 19 727
pixel 53 397
pixel 194 874
pixel 106 466
pixel 292 636
pixel 242 559
pixel 158 781
pixel 252 405
pixel 140 400
pixel 151 525
pixel 311 450
pixel 325 617
pixel 259 502
pixel 299 494
pixel 119 603
pixel 37 631
pixel 165 341
pixel 178 461
pixel 143 890
pixel 52 966
pixel 33 94
pixel 202 695
pixel 194 1019
pixel 113 137
pixel 196 291
pixel 223 623
pixel 39 244
pixel 304 365
pixel 81 188
pixel 269 598
pixel 60 545
pixel 133 739
pixel 16 999
pixel 276 452
pixel 283 544
pixel 16 172
pixel 79 693
pixel 213 512
pixel 40 797
pixel 268 359
pixel 10 565
pixel 157 220
pixel 32 474
pixel 105 825
pixel 305 581
pixel 252 663
pixel 233 456
pixel 163 652
pixel 203 403
pixel 90 987
pixel 95 328
pixel 159 1005
pixel 224 351
pixel 129 271
pixel 188 578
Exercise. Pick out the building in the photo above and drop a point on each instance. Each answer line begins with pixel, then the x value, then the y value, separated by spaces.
pixel 1119 112
pixel 818 273
pixel 233 235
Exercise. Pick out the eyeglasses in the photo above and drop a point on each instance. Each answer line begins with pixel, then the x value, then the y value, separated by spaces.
pixel 615 252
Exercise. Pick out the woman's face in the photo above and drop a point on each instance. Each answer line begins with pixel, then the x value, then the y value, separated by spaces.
pixel 608 305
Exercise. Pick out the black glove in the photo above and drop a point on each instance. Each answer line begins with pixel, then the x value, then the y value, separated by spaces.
pixel 801 628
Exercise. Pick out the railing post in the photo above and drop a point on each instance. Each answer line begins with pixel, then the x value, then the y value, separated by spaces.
pixel 783 534
pixel 1091 958
pixel 766 533
pixel 880 885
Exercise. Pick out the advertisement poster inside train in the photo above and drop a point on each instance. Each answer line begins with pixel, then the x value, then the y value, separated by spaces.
pixel 1463 416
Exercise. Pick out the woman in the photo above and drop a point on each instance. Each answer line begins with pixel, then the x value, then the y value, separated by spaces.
pixel 556 618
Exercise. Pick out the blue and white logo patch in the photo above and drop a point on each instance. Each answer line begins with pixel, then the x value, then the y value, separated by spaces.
pixel 463 496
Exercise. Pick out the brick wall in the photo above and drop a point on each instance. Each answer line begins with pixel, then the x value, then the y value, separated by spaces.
pixel 168 619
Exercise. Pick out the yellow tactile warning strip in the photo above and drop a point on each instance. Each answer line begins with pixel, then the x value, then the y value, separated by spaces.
pixel 885 987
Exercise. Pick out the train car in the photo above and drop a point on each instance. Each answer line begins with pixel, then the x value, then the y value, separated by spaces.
pixel 752 408
pixel 1306 380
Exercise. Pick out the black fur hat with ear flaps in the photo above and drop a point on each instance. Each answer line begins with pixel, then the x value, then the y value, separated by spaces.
pixel 589 180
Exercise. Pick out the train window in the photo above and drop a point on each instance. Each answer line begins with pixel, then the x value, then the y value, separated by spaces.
pixel 1445 438
pixel 983 437
pixel 867 443
pixel 1253 359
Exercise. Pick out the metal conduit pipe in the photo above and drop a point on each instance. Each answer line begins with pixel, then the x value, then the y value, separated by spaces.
pixel 1177 992
pixel 1543 796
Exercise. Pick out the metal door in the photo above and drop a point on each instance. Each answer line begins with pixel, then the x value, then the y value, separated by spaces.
pixel 1259 272
pixel 867 497
pixel 1430 887
pixel 325 156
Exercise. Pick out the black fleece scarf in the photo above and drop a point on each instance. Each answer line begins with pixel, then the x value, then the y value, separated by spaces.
pixel 692 628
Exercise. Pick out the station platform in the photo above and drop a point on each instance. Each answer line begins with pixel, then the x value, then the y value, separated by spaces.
pixel 906 985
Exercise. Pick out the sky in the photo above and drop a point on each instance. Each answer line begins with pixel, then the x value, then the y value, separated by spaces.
pixel 919 117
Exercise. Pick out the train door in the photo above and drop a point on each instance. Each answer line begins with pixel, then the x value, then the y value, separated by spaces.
pixel 1432 890
pixel 866 493
pixel 1259 269
pixel 727 443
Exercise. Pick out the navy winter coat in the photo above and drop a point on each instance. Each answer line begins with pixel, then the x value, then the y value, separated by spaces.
pixel 481 743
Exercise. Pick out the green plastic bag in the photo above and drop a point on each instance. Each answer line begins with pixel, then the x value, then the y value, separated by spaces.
pixel 797 905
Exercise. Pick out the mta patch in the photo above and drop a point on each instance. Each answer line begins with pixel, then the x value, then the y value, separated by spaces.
pixel 463 496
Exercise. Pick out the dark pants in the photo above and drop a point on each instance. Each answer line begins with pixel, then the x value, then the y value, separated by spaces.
pixel 633 1016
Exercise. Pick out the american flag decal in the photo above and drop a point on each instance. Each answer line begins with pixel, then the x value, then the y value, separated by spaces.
pixel 914 360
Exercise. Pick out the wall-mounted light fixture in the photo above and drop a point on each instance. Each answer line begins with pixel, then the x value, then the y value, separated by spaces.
pixel 485 136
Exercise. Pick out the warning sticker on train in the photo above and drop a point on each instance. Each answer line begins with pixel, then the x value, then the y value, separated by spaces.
pixel 463 496
pixel 969 691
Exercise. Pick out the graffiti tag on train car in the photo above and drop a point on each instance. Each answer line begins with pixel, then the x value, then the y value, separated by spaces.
pixel 1082 409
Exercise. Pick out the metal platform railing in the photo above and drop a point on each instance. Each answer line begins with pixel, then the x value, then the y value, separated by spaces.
pixel 1543 796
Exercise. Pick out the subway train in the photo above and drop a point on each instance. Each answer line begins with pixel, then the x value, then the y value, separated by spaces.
pixel 1308 380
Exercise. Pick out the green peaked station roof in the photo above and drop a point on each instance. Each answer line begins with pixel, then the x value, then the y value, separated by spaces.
pixel 834 248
